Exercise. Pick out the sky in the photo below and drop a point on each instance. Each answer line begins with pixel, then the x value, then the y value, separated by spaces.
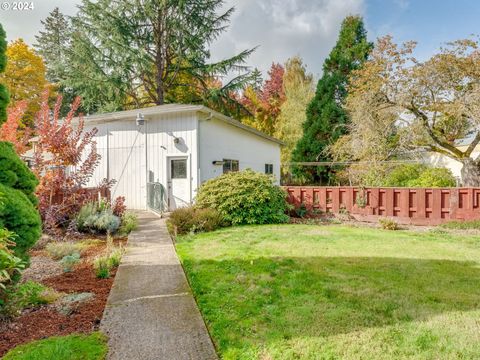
pixel 308 28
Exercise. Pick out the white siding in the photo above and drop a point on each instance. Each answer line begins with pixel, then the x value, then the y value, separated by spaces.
pixel 162 131
pixel 131 165
pixel 219 140
pixel 124 161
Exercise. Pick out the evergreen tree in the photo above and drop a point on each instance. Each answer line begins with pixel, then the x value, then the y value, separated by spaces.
pixel 133 53
pixel 326 117
pixel 53 44
pixel 18 212
pixel 4 96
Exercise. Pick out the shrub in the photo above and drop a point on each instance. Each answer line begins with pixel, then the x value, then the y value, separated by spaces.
pixel 115 257
pixel 406 175
pixel 97 217
pixel 208 220
pixel 15 174
pixel 181 220
pixel 85 212
pixel 102 267
pixel 26 295
pixel 301 211
pixel 103 264
pixel 104 222
pixel 10 265
pixel 118 206
pixel 402 175
pixel 129 222
pixel 70 147
pixel 434 177
pixel 244 197
pixel 58 250
pixel 18 214
pixel 191 219
pixel 388 224
pixel 69 261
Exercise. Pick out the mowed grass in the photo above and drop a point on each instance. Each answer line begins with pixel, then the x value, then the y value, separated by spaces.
pixel 336 292
pixel 71 347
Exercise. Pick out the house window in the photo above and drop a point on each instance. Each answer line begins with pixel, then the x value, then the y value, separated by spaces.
pixel 230 165
pixel 269 169
pixel 179 169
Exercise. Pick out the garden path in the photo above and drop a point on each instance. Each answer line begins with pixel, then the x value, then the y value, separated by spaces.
pixel 151 313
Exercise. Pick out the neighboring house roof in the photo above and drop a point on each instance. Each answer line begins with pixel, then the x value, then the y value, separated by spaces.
pixel 175 108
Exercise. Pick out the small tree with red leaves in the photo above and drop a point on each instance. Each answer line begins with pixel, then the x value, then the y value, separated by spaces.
pixel 65 159
pixel 10 131
pixel 264 102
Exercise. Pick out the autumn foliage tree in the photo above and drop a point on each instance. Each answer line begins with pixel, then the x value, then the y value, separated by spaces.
pixel 24 77
pixel 9 131
pixel 4 96
pixel 265 101
pixel 401 106
pixel 65 158
pixel 299 90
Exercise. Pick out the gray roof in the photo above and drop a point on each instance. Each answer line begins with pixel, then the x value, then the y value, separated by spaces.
pixel 175 108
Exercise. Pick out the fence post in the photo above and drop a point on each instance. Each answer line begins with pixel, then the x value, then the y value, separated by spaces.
pixel 437 204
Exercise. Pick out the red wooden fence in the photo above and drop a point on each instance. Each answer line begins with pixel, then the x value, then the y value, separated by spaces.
pixel 419 206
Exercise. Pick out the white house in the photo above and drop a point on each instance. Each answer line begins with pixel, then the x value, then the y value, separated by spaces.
pixel 160 155
pixel 439 160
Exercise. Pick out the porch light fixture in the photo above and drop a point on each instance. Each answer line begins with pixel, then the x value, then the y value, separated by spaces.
pixel 140 120
pixel 217 162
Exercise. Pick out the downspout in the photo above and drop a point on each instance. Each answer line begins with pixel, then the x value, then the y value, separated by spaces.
pixel 146 165
pixel 108 151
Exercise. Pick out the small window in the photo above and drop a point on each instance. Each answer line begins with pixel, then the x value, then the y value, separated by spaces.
pixel 269 169
pixel 179 169
pixel 230 165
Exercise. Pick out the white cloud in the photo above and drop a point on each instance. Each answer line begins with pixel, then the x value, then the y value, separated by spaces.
pixel 281 28
pixel 26 24
pixel 285 28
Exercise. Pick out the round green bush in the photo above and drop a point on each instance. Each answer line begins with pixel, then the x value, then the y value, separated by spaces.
pixel 434 177
pixel 409 175
pixel 19 215
pixel 18 212
pixel 15 174
pixel 245 197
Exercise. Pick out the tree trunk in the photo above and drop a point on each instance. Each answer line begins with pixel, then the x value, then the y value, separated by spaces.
pixel 470 173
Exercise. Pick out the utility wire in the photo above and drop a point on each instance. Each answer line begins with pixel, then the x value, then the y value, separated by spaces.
pixel 324 163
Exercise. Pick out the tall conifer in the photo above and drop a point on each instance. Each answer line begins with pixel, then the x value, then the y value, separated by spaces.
pixel 326 117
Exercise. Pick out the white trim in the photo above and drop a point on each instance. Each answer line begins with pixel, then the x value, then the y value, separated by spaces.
pixel 168 158
pixel 174 108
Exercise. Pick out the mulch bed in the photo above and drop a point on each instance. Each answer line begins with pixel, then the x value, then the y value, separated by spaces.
pixel 46 321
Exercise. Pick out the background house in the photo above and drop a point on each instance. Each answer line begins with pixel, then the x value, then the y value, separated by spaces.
pixel 455 166
pixel 160 155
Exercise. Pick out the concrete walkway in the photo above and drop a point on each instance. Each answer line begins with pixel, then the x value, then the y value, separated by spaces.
pixel 151 313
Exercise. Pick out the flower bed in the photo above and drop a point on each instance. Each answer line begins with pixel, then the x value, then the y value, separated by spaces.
pixel 61 317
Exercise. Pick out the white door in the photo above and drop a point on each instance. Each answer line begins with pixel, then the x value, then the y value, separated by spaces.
pixel 178 182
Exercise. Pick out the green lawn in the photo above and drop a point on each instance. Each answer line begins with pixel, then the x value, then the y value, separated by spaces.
pixel 71 347
pixel 336 292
